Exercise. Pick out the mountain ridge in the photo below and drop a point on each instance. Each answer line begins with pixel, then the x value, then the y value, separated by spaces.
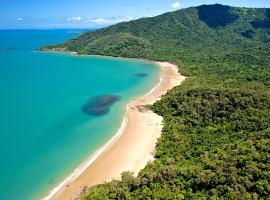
pixel 140 28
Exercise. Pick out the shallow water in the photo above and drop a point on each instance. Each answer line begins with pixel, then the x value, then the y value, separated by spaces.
pixel 44 133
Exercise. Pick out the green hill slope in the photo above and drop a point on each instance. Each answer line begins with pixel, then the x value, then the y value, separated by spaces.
pixel 215 142
pixel 197 39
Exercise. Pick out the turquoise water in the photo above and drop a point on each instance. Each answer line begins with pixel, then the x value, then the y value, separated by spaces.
pixel 44 135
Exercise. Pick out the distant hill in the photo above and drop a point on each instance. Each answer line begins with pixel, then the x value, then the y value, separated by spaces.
pixel 189 29
pixel 216 138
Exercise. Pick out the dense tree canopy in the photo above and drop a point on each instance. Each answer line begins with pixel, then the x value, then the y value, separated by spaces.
pixel 215 142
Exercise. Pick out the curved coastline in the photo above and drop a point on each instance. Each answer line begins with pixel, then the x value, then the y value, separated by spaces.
pixel 133 128
pixel 79 170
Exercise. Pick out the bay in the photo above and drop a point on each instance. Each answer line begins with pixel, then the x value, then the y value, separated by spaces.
pixel 44 133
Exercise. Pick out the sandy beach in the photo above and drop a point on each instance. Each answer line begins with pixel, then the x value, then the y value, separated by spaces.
pixel 131 148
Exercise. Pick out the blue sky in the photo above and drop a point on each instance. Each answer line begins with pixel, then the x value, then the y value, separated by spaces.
pixel 39 14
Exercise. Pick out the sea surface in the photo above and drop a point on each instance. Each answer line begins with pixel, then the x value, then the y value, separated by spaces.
pixel 57 109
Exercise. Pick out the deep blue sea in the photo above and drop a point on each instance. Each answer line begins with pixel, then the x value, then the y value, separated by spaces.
pixel 45 132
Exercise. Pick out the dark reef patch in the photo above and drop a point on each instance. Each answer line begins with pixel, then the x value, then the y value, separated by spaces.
pixel 141 74
pixel 99 105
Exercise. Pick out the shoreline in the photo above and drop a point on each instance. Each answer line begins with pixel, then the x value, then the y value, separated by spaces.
pixel 83 166
pixel 127 141
pixel 74 53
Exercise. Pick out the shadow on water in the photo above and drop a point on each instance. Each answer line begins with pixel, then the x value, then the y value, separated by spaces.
pixel 99 105
pixel 216 15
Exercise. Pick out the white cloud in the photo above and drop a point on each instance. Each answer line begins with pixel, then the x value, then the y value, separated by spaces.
pixel 100 21
pixel 20 19
pixel 75 19
pixel 129 18
pixel 176 5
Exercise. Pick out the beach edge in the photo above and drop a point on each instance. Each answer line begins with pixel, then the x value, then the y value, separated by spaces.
pixel 71 186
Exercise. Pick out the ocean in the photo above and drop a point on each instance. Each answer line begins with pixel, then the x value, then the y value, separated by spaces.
pixel 57 109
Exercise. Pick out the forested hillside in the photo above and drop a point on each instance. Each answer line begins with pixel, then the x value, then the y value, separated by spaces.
pixel 216 138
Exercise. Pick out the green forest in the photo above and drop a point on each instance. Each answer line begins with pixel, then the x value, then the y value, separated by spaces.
pixel 216 137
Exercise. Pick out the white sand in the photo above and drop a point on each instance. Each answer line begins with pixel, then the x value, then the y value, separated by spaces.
pixel 130 149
